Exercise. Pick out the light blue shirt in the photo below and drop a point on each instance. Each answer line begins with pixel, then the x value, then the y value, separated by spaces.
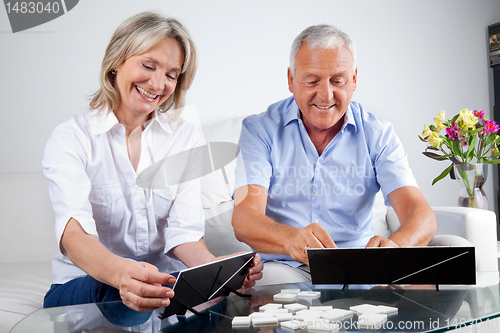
pixel 336 189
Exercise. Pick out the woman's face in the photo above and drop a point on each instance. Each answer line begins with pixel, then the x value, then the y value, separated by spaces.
pixel 146 80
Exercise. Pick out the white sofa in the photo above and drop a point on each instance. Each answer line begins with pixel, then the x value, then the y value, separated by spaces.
pixel 27 240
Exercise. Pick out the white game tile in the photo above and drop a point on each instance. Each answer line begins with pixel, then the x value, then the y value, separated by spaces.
pixel 285 297
pixel 283 316
pixel 308 315
pixel 321 308
pixel 309 294
pixel 259 321
pixel 272 311
pixel 242 321
pixel 270 306
pixel 371 320
pixel 337 314
pixel 295 307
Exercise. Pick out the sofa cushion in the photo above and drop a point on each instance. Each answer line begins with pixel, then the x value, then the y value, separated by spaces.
pixel 23 285
pixel 22 288
pixel 219 234
pixel 214 188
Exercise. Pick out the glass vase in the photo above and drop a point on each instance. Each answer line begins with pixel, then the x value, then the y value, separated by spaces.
pixel 472 178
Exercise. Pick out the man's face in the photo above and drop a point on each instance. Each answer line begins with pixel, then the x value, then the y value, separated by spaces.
pixel 323 85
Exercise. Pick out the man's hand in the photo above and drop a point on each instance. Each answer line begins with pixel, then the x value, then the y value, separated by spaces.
pixel 141 286
pixel 379 241
pixel 311 237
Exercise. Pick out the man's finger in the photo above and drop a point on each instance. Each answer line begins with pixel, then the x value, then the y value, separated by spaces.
pixel 322 237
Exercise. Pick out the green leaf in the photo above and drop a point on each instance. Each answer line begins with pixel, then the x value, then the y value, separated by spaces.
pixel 497 155
pixel 422 139
pixel 475 130
pixel 455 118
pixel 488 140
pixel 494 161
pixel 437 156
pixel 442 175
pixel 455 149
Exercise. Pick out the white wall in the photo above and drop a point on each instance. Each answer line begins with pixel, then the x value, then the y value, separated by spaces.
pixel 416 58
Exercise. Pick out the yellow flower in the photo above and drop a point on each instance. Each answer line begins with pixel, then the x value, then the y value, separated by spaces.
pixel 467 120
pixel 426 132
pixel 494 150
pixel 440 126
pixel 435 140
pixel 440 117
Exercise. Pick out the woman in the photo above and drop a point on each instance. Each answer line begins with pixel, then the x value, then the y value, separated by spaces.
pixel 116 238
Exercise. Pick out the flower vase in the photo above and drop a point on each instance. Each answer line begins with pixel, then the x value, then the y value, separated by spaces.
pixel 472 178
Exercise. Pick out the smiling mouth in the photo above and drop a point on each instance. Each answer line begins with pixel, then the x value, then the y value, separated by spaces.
pixel 324 107
pixel 149 96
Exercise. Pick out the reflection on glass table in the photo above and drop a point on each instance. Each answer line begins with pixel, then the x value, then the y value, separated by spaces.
pixel 420 309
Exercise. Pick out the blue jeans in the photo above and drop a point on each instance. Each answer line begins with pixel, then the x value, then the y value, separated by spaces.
pixel 82 290
pixel 85 290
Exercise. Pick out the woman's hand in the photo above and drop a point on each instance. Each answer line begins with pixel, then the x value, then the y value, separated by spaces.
pixel 141 286
pixel 254 272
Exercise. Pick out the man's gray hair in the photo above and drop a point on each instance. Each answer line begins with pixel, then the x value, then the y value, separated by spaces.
pixel 322 36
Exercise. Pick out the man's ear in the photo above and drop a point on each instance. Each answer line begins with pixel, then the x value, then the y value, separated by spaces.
pixel 355 78
pixel 290 80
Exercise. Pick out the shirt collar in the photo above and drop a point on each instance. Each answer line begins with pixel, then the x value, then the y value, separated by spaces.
pixel 164 119
pixel 293 114
pixel 349 119
pixel 103 121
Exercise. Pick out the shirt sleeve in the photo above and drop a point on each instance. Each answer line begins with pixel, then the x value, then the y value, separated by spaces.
pixel 186 221
pixel 253 164
pixel 64 160
pixel 391 162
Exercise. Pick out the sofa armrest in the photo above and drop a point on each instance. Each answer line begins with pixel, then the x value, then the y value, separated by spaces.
pixel 478 226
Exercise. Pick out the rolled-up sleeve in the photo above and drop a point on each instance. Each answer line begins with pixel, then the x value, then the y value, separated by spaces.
pixel 64 160
pixel 391 164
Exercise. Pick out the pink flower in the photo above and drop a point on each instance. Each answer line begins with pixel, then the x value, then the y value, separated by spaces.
pixel 479 114
pixel 490 126
pixel 453 131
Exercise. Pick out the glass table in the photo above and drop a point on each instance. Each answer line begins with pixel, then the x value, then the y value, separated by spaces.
pixel 420 309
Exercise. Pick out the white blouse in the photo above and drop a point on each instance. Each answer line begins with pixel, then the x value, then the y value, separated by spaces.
pixel 92 180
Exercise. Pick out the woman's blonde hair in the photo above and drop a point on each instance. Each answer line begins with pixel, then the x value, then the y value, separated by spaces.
pixel 135 36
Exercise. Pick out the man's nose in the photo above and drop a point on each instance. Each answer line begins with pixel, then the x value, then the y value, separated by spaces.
pixel 325 91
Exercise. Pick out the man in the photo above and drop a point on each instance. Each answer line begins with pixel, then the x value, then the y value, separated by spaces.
pixel 311 165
